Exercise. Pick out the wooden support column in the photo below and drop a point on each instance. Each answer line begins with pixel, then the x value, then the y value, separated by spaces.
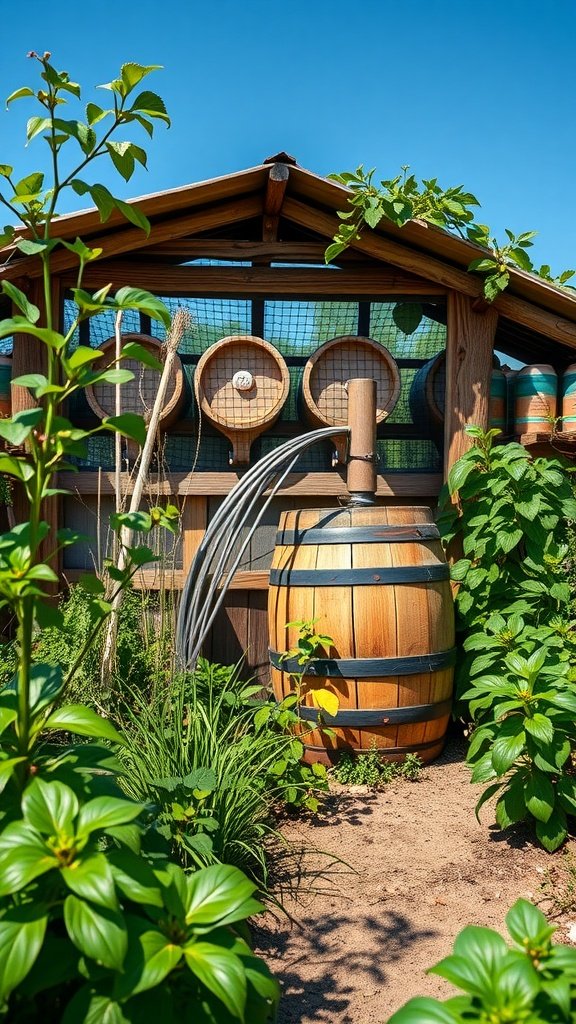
pixel 469 357
pixel 275 190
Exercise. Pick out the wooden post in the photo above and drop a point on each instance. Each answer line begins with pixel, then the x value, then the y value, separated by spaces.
pixel 469 357
pixel 194 523
pixel 275 189
pixel 362 421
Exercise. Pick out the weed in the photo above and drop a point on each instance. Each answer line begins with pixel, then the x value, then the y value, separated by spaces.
pixel 370 770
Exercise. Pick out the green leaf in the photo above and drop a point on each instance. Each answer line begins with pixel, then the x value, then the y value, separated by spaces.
pixel 132 74
pixel 151 958
pixel 219 895
pixel 423 1010
pixel 539 795
pixel 151 105
pixel 407 316
pixel 19 94
pixel 132 350
pixel 92 879
pixel 20 325
pixel 144 302
pixel 540 728
pixel 22 863
pixel 31 312
pixel 104 812
pixel 221 972
pixel 134 877
pixel 509 744
pixel 82 721
pixel 553 832
pixel 86 1007
pixel 50 807
pixel 129 425
pixel 22 931
pixel 511 807
pixel 525 921
pixel 98 933
pixel 17 429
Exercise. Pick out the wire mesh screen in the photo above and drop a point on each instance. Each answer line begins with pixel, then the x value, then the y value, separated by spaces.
pixel 412 332
pixel 6 346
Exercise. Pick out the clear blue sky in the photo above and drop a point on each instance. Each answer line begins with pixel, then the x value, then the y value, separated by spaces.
pixel 476 93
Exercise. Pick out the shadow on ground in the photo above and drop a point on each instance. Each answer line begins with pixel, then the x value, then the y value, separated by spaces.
pixel 321 968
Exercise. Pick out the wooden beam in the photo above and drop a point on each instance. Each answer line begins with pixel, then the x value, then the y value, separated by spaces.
pixel 241 249
pixel 376 245
pixel 169 280
pixel 194 523
pixel 275 191
pixel 130 239
pixel 173 579
pixel 469 357
pixel 409 485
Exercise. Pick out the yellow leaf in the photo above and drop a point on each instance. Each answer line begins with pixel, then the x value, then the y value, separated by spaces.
pixel 326 701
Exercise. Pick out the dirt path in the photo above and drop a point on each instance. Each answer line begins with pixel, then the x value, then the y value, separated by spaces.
pixel 425 868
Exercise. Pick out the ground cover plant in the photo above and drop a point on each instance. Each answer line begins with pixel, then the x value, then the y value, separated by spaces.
pixel 532 979
pixel 370 769
pixel 516 679
pixel 91 927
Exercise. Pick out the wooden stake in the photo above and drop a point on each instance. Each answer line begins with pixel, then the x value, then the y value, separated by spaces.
pixel 362 422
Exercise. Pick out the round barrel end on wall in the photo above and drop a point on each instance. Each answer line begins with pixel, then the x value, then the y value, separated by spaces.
pixel 376 581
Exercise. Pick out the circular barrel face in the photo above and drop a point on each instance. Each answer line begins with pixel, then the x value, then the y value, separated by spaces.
pixel 138 395
pixel 376 582
pixel 242 383
pixel 337 361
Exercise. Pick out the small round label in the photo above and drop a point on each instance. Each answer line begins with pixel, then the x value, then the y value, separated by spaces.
pixel 243 380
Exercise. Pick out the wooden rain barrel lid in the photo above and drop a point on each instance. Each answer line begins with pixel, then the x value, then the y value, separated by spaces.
pixel 138 395
pixel 536 390
pixel 241 383
pixel 329 369
pixel 376 580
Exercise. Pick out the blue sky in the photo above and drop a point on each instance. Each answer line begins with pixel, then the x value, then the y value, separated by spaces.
pixel 481 93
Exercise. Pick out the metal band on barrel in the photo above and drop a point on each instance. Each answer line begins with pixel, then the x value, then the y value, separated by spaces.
pixel 359 577
pixel 355 719
pixel 364 668
pixel 359 535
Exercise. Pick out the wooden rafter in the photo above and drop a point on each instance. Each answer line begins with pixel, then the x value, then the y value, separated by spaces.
pixel 181 249
pixel 275 192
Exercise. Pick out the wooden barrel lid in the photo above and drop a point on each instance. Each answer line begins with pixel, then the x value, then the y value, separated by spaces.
pixel 329 369
pixel 138 395
pixel 241 383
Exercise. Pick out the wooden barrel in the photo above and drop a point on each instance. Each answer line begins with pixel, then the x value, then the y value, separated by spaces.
pixel 377 582
pixel 536 389
pixel 139 394
pixel 498 390
pixel 5 378
pixel 241 383
pixel 428 397
pixel 569 398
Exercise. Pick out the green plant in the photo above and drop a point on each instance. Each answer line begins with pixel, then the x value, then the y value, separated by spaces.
pixel 215 764
pixel 310 644
pixel 532 981
pixel 403 198
pixel 88 921
pixel 370 769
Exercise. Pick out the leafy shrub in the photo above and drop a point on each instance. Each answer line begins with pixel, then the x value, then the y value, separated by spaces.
pixel 215 763
pixel 533 980
pixel 515 676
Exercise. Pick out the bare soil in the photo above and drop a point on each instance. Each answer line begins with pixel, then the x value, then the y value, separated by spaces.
pixel 420 868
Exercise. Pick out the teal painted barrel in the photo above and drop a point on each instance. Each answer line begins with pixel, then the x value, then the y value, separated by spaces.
pixel 498 401
pixel 536 399
pixel 5 378
pixel 569 398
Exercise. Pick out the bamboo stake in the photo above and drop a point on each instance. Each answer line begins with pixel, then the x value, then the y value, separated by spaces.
pixel 179 325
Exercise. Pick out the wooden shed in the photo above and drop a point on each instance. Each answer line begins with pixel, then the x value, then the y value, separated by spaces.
pixel 244 253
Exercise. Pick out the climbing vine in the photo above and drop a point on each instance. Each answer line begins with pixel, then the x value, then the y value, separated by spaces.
pixel 404 198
